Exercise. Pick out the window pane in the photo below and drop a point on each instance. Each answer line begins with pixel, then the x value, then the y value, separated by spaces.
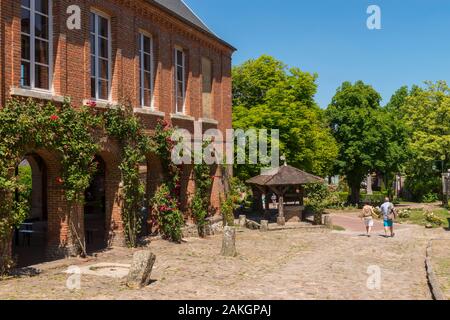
pixel 179 73
pixel 25 47
pixel 41 51
pixel 147 62
pixel 179 58
pixel 93 67
pixel 147 98
pixel 41 77
pixel 147 80
pixel 103 43
pixel 180 89
pixel 103 69
pixel 93 88
pixel 147 44
pixel 41 26
pixel 26 3
pixel 180 104
pixel 25 74
pixel 92 22
pixel 103 89
pixel 25 21
pixel 41 6
pixel 103 27
pixel 92 44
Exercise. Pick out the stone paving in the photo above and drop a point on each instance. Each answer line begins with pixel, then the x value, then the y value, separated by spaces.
pixel 290 264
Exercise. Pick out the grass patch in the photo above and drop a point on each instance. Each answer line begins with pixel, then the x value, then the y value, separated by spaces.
pixel 417 216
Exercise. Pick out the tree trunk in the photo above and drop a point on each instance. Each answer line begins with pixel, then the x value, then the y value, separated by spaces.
pixel 369 185
pixel 355 193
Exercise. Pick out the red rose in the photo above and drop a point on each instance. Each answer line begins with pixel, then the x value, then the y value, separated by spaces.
pixel 91 104
pixel 54 117
pixel 59 180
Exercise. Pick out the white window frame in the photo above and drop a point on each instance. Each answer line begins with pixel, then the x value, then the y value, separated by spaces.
pixel 142 53
pixel 94 52
pixel 33 39
pixel 177 107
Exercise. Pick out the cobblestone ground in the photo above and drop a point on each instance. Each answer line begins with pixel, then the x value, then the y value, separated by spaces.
pixel 290 264
pixel 440 259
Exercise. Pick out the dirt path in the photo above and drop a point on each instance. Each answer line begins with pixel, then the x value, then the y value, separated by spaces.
pixel 291 264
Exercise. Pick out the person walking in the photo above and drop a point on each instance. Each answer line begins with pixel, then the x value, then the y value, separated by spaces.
pixel 389 215
pixel 367 215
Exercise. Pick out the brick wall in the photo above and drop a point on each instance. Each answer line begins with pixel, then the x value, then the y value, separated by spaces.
pixel 71 77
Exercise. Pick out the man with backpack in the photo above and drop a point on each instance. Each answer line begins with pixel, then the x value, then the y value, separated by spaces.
pixel 389 215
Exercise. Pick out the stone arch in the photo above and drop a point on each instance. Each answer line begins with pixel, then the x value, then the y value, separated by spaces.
pixel 111 155
pixel 53 208
pixel 154 178
pixel 94 211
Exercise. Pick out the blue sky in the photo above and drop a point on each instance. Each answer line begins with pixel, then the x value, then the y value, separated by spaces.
pixel 330 37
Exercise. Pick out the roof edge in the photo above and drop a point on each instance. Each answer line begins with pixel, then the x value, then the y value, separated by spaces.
pixel 193 25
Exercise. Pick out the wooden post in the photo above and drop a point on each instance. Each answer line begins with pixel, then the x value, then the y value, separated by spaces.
pixel 281 220
pixel 302 196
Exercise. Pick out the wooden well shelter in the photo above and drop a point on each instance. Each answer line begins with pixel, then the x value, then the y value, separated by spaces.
pixel 279 181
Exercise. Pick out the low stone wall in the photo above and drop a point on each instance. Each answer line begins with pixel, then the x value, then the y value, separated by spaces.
pixel 432 279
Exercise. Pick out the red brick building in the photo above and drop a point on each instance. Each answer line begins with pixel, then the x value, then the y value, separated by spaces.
pixel 155 54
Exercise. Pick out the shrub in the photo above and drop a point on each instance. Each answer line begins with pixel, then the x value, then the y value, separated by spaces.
pixel 170 218
pixel 430 197
pixel 404 214
pixel 432 219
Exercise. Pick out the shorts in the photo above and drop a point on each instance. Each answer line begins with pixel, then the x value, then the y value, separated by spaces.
pixel 388 223
pixel 368 222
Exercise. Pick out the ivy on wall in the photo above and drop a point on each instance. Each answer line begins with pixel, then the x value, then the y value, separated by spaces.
pixel 30 125
pixel 121 123
pixel 201 201
pixel 73 135
pixel 166 201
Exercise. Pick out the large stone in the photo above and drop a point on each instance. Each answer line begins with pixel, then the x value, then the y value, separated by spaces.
pixel 242 220
pixel 141 269
pixel 264 225
pixel 229 242
pixel 328 221
pixel 281 221
pixel 252 225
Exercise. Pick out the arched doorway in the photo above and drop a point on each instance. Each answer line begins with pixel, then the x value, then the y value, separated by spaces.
pixel 95 209
pixel 30 238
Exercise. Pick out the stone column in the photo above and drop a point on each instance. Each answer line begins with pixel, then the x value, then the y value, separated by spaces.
pixel 229 242
pixel 446 188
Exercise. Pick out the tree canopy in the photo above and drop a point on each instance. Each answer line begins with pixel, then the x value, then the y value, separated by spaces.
pixel 268 95
pixel 425 114
pixel 362 131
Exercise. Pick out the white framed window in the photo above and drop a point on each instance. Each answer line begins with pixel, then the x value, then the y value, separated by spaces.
pixel 36 44
pixel 100 32
pixel 180 80
pixel 146 70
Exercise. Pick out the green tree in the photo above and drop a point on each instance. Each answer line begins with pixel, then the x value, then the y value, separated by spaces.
pixel 359 126
pixel 269 96
pixel 254 78
pixel 397 149
pixel 426 116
